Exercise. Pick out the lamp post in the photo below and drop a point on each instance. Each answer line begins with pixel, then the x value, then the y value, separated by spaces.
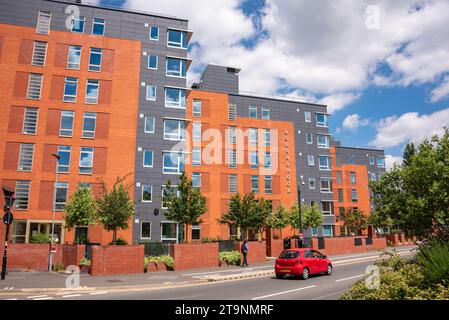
pixel 50 250
pixel 7 219
pixel 300 212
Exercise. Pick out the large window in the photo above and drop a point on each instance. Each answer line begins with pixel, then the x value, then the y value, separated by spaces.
pixel 328 231
pixel 177 39
pixel 174 129
pixel 86 160
pixel 254 159
pixel 92 90
pixel 173 163
pixel 371 161
pixel 380 162
pixel 351 159
pixel 354 196
pixel 26 157
pixel 312 183
pixel 311 160
pixel 64 153
pixel 78 24
pixel 176 67
pixel 30 121
pixel 353 176
pixel 61 189
pixel 268 184
pixel 232 135
pixel 265 113
pixel 166 192
pixel 232 112
pixel 22 194
pixel 70 89
pixel 196 131
pixel 169 231
pixel 308 116
pixel 196 232
pixel 43 22
pixel 74 57
pixel 232 158
pixel 197 106
pixel 66 128
pixel 253 112
pixel 39 53
pixel 196 156
pixel 255 184
pixel 34 86
pixel 154 33
pixel 326 185
pixel 149 124
pixel 89 124
pixel 151 93
pixel 341 197
pixel 266 137
pixel 323 141
pixel 309 138
pixel 196 179
pixel 95 59
pixel 175 98
pixel 147 193
pixel 98 26
pixel 148 156
pixel 232 183
pixel 253 136
pixel 152 61
pixel 267 160
pixel 325 162
pixel 321 120
pixel 339 177
pixel 327 208
pixel 145 230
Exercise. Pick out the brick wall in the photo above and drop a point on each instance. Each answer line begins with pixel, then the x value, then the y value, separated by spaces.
pixel 72 254
pixel 335 246
pixel 256 251
pixel 274 247
pixel 32 256
pixel 190 256
pixel 110 260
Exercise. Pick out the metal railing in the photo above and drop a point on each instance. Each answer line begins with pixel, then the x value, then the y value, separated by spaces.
pixel 155 249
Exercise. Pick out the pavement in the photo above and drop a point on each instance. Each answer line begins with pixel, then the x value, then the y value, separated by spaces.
pixel 49 286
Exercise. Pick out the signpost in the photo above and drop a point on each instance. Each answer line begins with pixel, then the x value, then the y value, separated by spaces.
pixel 7 220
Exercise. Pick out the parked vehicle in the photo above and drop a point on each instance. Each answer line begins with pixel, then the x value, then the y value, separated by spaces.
pixel 303 263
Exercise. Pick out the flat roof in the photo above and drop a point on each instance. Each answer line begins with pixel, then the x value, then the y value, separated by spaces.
pixel 278 98
pixel 114 8
pixel 356 148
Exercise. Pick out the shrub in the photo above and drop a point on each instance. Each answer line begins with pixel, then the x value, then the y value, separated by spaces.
pixel 230 257
pixel 434 259
pixel 40 238
pixel 167 260
pixel 119 242
pixel 57 267
pixel 84 262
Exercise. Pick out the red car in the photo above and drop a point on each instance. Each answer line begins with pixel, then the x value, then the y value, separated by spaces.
pixel 302 262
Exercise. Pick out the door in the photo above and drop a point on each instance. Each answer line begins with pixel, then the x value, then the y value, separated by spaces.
pixel 319 261
pixel 309 261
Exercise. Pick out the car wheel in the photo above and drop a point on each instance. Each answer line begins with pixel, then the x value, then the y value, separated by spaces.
pixel 279 276
pixel 305 274
pixel 329 270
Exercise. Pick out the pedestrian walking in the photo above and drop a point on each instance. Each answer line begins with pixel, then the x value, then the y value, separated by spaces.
pixel 245 253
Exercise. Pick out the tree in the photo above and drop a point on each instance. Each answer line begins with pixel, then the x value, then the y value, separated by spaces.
pixel 409 152
pixel 279 220
pixel 185 206
pixel 354 219
pixel 81 209
pixel 416 196
pixel 115 207
pixel 293 217
pixel 311 216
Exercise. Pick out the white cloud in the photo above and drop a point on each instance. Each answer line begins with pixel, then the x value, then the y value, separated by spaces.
pixel 338 101
pixel 354 121
pixel 441 92
pixel 394 131
pixel 391 160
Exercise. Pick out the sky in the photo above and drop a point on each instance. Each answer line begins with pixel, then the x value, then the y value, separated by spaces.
pixel 381 66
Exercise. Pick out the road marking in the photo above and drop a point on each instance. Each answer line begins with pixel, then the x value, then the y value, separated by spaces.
pixel 350 278
pixel 96 293
pixel 47 298
pixel 34 297
pixel 12 299
pixel 224 271
pixel 283 292
pixel 72 296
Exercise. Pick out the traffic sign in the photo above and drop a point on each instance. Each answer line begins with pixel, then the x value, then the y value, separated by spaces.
pixel 8 218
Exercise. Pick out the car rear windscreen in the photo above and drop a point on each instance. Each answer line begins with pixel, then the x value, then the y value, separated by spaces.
pixel 289 255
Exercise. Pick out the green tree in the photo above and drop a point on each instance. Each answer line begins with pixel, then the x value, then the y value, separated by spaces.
pixel 354 219
pixel 311 216
pixel 185 204
pixel 279 219
pixel 115 208
pixel 409 152
pixel 81 209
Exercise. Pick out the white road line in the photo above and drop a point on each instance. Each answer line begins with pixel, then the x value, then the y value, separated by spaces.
pixel 12 299
pixel 47 298
pixel 34 297
pixel 225 271
pixel 350 278
pixel 96 293
pixel 283 292
pixel 72 296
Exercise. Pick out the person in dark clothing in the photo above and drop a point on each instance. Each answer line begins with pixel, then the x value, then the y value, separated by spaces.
pixel 245 253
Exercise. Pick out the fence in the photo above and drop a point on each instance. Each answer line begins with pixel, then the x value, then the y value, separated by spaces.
pixel 155 249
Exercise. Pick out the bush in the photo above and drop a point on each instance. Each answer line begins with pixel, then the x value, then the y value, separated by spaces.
pixel 57 267
pixel 40 238
pixel 119 242
pixel 84 262
pixel 230 257
pixel 434 259
pixel 167 260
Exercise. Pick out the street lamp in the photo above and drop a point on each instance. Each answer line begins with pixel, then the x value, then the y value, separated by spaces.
pixel 7 219
pixel 50 250
pixel 300 211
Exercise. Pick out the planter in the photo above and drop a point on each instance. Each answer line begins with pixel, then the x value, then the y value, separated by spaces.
pixel 152 267
pixel 161 266
pixel 84 269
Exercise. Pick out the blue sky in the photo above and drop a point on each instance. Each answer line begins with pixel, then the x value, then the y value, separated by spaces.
pixel 382 67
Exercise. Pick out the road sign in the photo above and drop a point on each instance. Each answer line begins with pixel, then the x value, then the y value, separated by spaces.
pixel 8 218
pixel 53 249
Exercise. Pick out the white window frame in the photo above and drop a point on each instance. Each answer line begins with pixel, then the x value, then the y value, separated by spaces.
pixel 252 132
pixel 250 109
pixel 267 156
pixel 308 116
pixel 352 196
pixel 69 151
pixel 197 113
pixel 267 137
pixel 232 135
pixel 196 175
pixel 157 61
pixel 80 167
pixel 179 162
pixel 172 44
pixel 89 115
pixel 265 179
pixel 20 188
pixel 196 131
pixel 95 67
pixel 265 111
pixel 232 112
pixel 309 141
pixel 141 224
pixel 145 129
pixel 372 161
pixel 327 145
pixel 177 231
pixel 314 183
pixel 181 136
pixel 69 97
pixel 195 152
pixel 196 227
pixel 253 179
pixel 151 28
pixel 37 55
pixel 230 181
pixel 232 158
pixel 60 185
pixel 32 77
pixel 383 162
pixel 327 225
pixel 98 23
pixel 26 156
pixel 30 114
pixel 143 158
pixel 181 104
pixel 311 160
pixel 80 18
pixel 72 115
pixel 326 190
pixel 43 27
pixel 328 168
pixel 321 124
pixel 92 82
pixel 175 74
pixel 352 175
pixel 71 65
pixel 255 155
pixel 325 213
pixel 151 193
pixel 164 187
pixel 151 98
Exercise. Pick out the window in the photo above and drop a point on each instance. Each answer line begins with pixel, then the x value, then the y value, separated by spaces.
pixel 253 136
pixel 70 89
pixel 64 153
pixel 325 162
pixel 328 231
pixel 154 33
pixel 380 175
pixel 175 98
pixel 86 160
pixel 311 160
pixel 98 26
pixel 267 137
pixel 39 53
pixel 232 135
pixel 354 196
pixel 43 22
pixel 151 93
pixel 92 89
pixel 30 121
pixel 173 163
pixel 232 112
pixel 341 195
pixel 147 193
pixel 314 232
pixel 327 208
pixel 66 128
pixel 196 179
pixel 312 183
pixel 95 59
pixel 308 116
pixel 232 183
pixel 197 108
pixel 152 62
pixel 380 162
pixel 196 156
pixel 326 185
pixel 371 161
pixel 177 39
pixel 323 141
pixel 176 67
pixel 22 194
pixel 196 131
pixel 148 158
pixel 339 177
pixel 353 177
pixel 373 176
pixel 321 120
pixel 265 113
pixel 89 123
pixel 74 57
pixel 267 160
pixel 26 153
pixel 34 86
pixel 78 24
pixel 253 112
pixel 174 129
pixel 351 159
pixel 149 124
pixel 268 184
pixel 169 231
pixel 145 230
pixel 84 185
pixel 254 160
pixel 196 232
pixel 255 184
pixel 166 192
pixel 232 156
pixel 309 138
pixel 61 189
